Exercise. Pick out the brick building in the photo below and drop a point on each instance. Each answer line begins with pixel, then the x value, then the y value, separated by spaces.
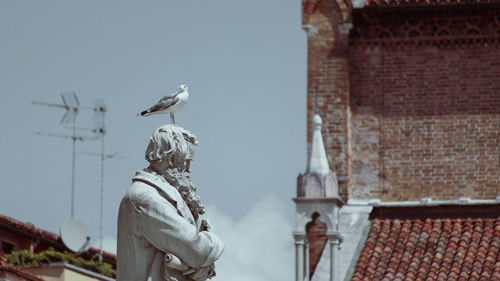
pixel 409 100
pixel 16 235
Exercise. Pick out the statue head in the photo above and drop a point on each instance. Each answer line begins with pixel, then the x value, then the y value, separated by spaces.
pixel 171 147
pixel 169 153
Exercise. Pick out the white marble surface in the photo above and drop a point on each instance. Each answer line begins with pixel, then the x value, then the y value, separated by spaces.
pixel 161 236
pixel 318 162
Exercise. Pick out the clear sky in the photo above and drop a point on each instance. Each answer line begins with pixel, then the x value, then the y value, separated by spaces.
pixel 245 65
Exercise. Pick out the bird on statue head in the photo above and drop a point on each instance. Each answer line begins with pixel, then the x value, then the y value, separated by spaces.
pixel 169 104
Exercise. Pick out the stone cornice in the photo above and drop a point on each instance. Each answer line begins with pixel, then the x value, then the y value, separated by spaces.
pixel 418 27
pixel 336 200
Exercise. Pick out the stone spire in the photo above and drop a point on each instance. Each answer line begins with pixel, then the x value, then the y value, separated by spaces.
pixel 317 195
pixel 318 180
pixel 317 161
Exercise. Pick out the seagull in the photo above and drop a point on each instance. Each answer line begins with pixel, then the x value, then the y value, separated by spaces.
pixel 169 104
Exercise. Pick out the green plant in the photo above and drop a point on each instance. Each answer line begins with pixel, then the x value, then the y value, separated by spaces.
pixel 25 258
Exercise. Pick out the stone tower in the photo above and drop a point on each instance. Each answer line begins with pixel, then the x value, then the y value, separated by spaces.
pixel 317 206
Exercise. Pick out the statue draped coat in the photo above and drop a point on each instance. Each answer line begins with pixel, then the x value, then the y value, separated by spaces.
pixel 153 221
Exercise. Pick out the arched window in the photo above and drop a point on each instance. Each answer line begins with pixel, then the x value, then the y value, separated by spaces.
pixel 316 236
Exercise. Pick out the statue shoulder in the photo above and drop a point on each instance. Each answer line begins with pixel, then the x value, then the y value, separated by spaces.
pixel 149 189
pixel 138 193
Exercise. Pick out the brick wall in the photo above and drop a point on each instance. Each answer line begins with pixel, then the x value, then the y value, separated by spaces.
pixel 410 101
pixel 328 78
pixel 426 122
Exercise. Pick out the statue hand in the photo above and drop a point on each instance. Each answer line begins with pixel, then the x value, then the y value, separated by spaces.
pixel 201 274
pixel 205 225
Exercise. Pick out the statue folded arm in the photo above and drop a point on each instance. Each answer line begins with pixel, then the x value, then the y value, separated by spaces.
pixel 161 224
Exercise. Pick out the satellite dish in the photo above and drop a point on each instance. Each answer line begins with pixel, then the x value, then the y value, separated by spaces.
pixel 75 235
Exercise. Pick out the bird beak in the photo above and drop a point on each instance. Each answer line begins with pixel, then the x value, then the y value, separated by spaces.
pixel 179 88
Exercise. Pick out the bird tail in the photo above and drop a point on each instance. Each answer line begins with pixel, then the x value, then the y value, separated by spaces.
pixel 144 113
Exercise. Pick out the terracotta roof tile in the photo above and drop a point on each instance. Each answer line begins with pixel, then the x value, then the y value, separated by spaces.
pixel 431 249
pixel 30 228
pixel 408 3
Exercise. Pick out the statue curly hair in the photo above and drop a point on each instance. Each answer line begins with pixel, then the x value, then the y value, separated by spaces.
pixel 169 154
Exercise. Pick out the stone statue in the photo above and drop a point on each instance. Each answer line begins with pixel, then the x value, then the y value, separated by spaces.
pixel 161 235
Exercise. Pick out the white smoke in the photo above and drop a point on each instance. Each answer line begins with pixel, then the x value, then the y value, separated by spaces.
pixel 259 247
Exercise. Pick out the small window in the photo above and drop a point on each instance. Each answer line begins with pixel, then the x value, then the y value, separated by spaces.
pixel 7 247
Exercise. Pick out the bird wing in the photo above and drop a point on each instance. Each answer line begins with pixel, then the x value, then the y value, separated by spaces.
pixel 168 97
pixel 165 102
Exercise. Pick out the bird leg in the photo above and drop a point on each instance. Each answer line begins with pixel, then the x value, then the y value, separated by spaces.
pixel 172 118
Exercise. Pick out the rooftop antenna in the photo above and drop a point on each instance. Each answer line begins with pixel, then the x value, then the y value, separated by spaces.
pixel 72 106
pixel 99 129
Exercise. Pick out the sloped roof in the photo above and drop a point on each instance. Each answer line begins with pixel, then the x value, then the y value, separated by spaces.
pixel 14 270
pixel 406 3
pixel 29 228
pixel 431 249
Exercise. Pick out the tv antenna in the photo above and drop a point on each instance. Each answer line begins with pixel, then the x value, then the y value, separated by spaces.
pixel 72 107
pixel 99 128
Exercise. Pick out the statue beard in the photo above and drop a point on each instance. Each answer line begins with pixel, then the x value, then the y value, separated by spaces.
pixel 182 181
